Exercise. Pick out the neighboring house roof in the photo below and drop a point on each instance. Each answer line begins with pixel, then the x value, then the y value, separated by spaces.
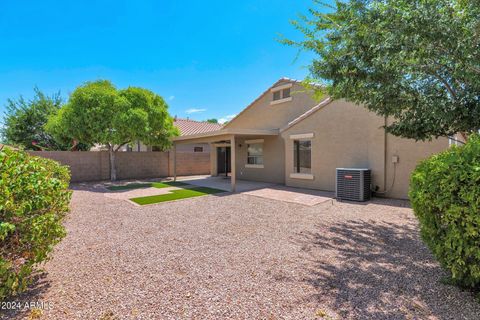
pixel 190 127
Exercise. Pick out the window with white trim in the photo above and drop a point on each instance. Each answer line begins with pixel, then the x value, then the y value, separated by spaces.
pixel 281 94
pixel 255 153
pixel 302 156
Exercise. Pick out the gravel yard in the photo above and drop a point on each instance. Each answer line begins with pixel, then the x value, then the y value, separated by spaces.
pixel 239 256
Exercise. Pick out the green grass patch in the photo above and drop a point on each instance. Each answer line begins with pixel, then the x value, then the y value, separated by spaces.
pixel 159 185
pixel 176 195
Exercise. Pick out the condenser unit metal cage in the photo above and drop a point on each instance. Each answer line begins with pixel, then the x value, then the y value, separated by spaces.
pixel 353 184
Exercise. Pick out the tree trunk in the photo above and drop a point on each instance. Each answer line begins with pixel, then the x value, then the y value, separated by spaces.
pixel 113 171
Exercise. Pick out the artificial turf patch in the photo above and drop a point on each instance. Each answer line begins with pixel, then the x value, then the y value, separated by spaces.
pixel 159 185
pixel 176 195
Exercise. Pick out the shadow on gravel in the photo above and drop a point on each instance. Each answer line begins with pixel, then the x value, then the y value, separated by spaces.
pixel 380 270
pixel 32 295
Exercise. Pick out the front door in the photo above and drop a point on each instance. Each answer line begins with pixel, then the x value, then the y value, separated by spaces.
pixel 223 160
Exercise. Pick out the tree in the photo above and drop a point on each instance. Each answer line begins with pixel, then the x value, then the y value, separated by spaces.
pixel 416 61
pixel 98 113
pixel 25 121
pixel 213 120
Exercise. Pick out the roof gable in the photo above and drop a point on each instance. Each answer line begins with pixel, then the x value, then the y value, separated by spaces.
pixel 264 113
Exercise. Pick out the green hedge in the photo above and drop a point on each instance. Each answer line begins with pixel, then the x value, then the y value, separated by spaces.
pixel 34 199
pixel 445 195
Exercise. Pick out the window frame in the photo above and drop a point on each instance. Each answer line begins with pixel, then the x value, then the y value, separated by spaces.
pixel 296 156
pixel 279 92
pixel 256 157
pixel 282 93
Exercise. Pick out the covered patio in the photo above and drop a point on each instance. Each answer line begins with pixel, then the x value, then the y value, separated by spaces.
pixel 230 142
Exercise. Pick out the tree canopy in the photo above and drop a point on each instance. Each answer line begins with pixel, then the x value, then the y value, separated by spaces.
pixel 25 120
pixel 213 120
pixel 417 61
pixel 98 113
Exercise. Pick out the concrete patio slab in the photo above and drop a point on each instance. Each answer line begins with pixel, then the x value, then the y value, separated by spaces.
pixel 223 183
pixel 294 195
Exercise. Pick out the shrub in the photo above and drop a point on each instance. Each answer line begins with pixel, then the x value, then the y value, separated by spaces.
pixel 34 199
pixel 445 195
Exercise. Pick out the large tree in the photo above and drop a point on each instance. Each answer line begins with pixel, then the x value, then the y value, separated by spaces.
pixel 25 120
pixel 416 61
pixel 98 113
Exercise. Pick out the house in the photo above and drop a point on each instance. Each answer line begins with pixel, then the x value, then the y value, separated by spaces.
pixel 287 137
pixel 186 127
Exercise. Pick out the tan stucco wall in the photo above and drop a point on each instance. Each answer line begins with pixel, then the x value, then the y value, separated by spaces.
pixel 347 135
pixel 262 115
pixel 273 159
pixel 409 153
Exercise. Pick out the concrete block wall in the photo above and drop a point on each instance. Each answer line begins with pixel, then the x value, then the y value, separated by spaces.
pixel 137 165
pixel 190 163
pixel 84 165
pixel 95 165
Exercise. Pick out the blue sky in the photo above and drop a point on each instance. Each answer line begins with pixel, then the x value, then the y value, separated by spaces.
pixel 208 59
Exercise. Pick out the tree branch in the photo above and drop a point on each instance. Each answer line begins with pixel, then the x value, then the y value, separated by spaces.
pixel 74 145
pixel 120 145
pixel 447 85
pixel 477 70
pixel 456 140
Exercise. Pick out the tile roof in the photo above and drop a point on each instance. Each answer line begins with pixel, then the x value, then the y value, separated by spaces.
pixel 188 127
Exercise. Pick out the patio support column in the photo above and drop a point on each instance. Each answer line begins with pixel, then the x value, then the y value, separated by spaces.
pixel 213 160
pixel 174 162
pixel 233 171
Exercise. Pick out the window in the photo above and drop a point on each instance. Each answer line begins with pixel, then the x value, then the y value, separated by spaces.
pixel 255 153
pixel 281 94
pixel 197 149
pixel 302 156
pixel 276 95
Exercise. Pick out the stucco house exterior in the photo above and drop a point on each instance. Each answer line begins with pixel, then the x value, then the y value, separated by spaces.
pixel 287 137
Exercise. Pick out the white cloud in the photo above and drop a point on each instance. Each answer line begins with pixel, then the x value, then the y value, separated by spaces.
pixel 194 110
pixel 227 118
pixel 171 98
